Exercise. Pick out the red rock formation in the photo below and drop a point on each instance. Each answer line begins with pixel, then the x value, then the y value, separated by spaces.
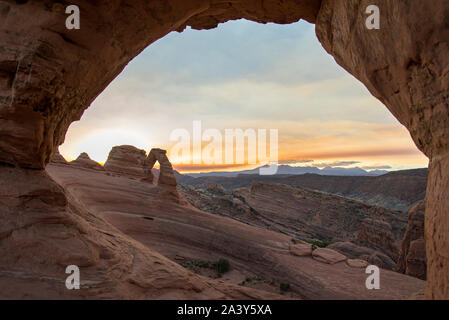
pixel 357 263
pixel 397 190
pixel 57 158
pixel 145 213
pixel 354 251
pixel 378 235
pixel 301 249
pixel 49 75
pixel 85 161
pixel 126 160
pixel 313 215
pixel 412 257
pixel 328 256
pixel 44 229
pixel 404 65
pixel 166 173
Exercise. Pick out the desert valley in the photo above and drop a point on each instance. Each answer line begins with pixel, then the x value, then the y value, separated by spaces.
pixel 289 237
pixel 352 94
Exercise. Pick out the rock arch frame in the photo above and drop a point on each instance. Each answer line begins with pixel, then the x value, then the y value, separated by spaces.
pixel 49 75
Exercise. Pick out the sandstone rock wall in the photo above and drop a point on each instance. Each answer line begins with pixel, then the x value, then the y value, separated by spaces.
pixel 404 65
pixel 412 257
pixel 378 235
pixel 57 158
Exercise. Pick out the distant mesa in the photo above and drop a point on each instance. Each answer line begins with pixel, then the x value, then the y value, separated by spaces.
pixel 84 161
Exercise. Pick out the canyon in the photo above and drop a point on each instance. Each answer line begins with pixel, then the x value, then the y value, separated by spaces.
pixel 164 220
pixel 49 75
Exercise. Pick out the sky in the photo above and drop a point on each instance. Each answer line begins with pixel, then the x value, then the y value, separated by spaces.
pixel 249 76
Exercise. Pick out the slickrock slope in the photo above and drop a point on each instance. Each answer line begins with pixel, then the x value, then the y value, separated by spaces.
pixel 155 217
pixel 378 235
pixel 84 161
pixel 412 257
pixel 49 75
pixel 126 160
pixel 45 229
pixel 304 213
pixel 359 252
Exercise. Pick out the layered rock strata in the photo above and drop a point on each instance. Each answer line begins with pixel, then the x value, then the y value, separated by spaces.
pixel 412 257
pixel 49 75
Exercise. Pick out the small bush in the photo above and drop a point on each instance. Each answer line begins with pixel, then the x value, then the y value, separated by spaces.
pixel 319 244
pixel 284 287
pixel 222 266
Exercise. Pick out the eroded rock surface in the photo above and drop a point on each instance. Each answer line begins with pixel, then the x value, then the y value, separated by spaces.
pixel 84 161
pixel 49 75
pixel 328 256
pixel 404 65
pixel 44 229
pixel 354 251
pixel 127 160
pixel 412 257
pixel 166 173
pixel 397 190
pixel 377 234
pixel 57 158
pixel 148 214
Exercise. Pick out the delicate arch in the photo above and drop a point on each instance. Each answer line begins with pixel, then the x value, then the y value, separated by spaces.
pixel 166 173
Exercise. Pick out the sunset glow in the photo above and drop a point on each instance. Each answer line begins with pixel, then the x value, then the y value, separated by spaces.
pixel 245 75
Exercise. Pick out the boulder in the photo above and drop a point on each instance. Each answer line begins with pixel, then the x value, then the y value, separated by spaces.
pixel 357 263
pixel 328 256
pixel 370 255
pixel 301 249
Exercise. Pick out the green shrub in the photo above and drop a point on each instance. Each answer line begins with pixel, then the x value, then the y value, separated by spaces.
pixel 284 287
pixel 222 266
pixel 318 243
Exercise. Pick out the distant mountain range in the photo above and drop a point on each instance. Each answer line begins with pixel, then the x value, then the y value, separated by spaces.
pixel 291 170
